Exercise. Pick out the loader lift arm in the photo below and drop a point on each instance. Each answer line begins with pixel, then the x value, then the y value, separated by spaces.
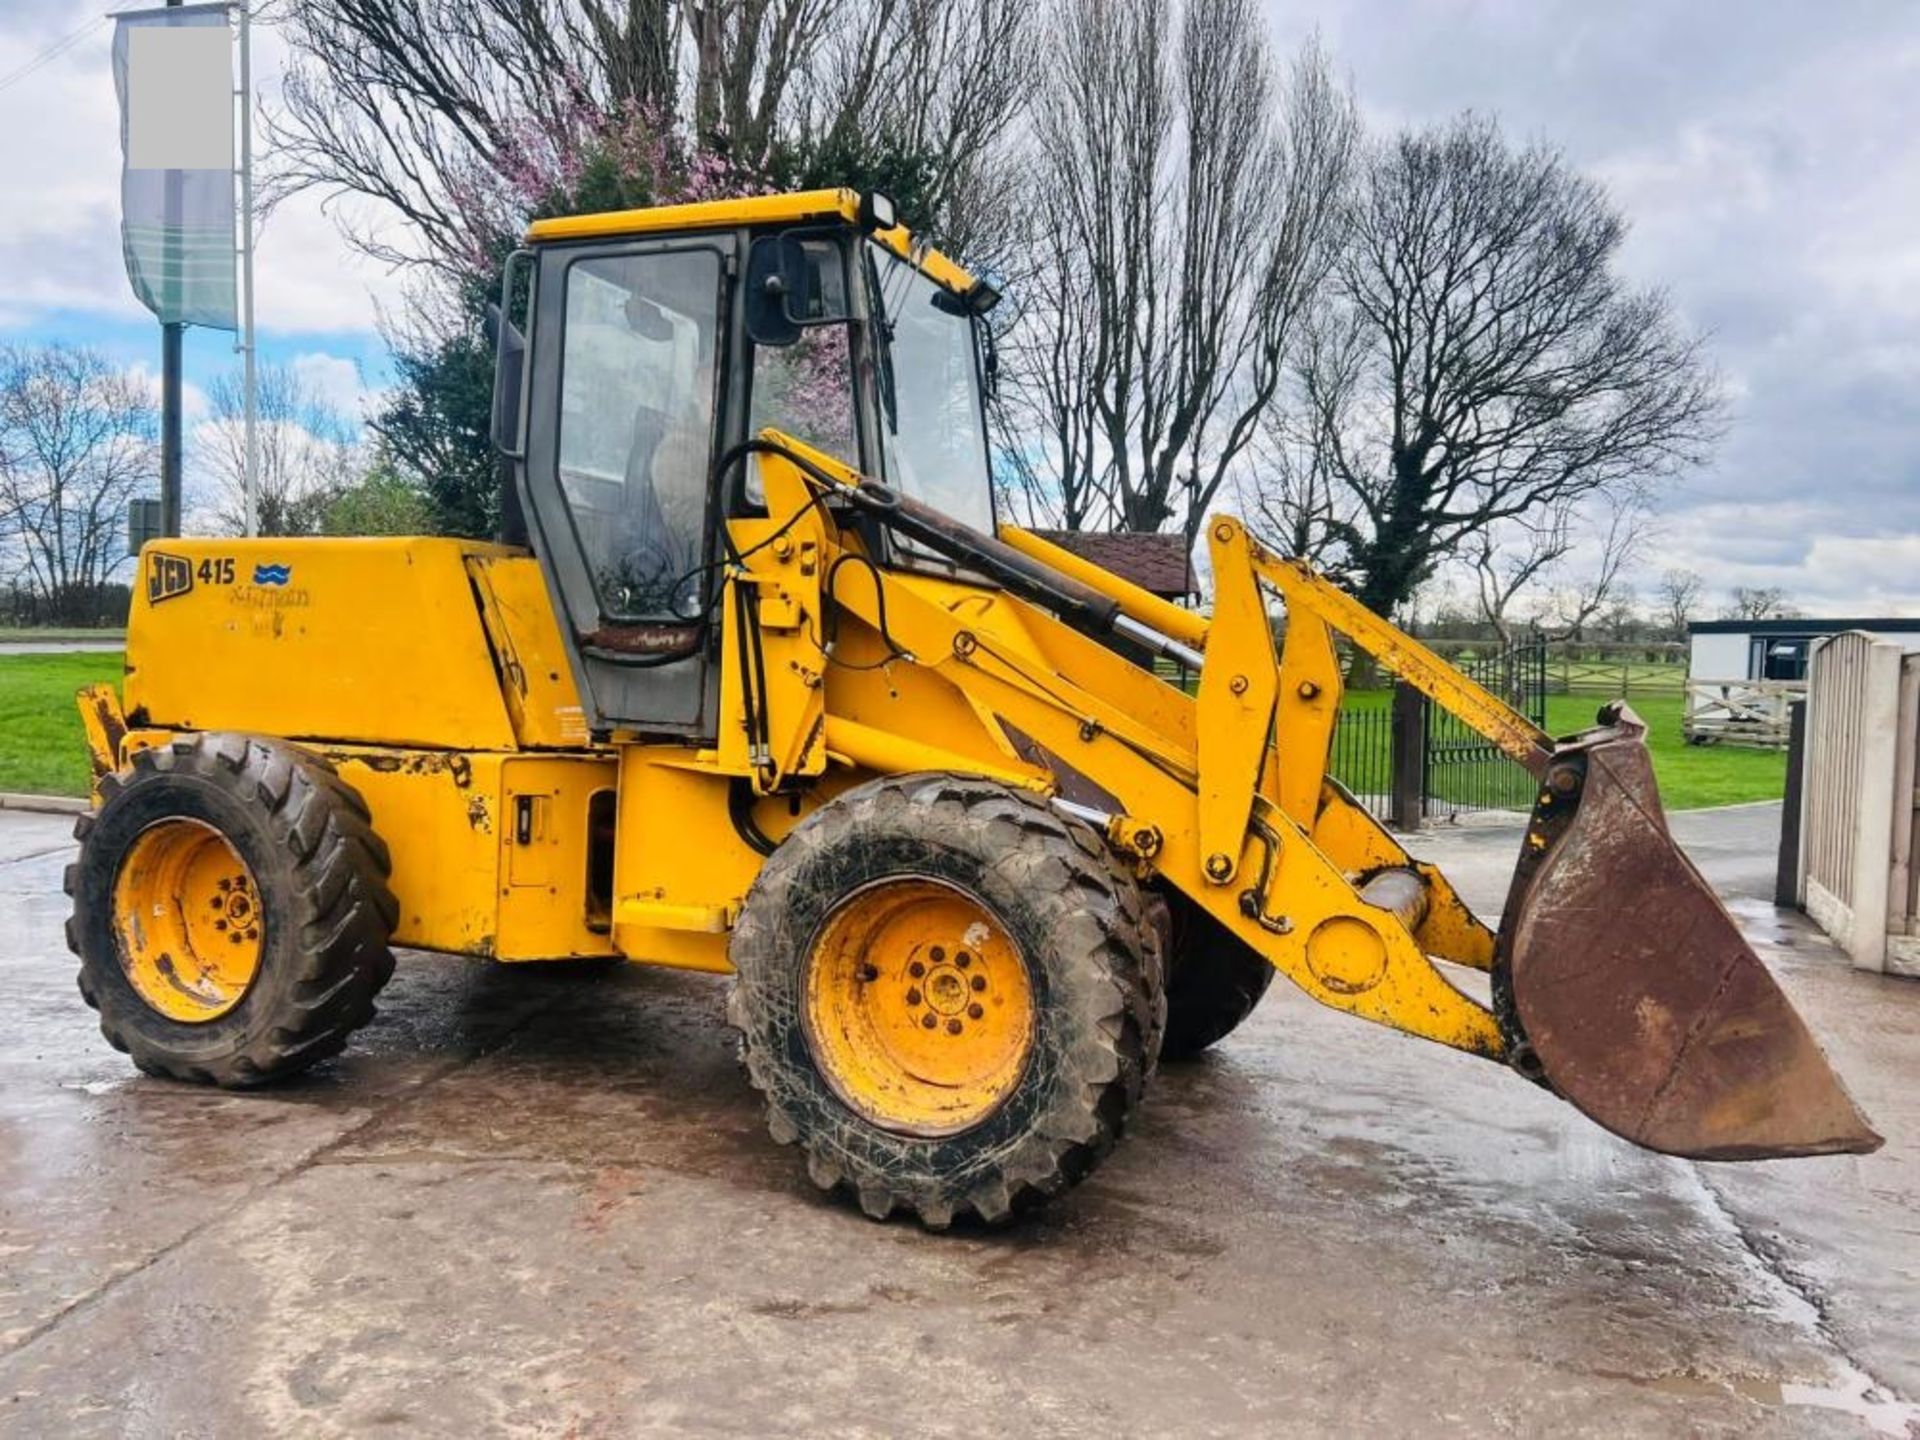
pixel 1225 795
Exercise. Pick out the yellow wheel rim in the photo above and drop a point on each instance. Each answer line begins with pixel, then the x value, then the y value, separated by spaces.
pixel 918 1007
pixel 188 916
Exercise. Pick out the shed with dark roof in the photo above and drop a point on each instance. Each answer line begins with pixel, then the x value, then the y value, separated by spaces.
pixel 1158 563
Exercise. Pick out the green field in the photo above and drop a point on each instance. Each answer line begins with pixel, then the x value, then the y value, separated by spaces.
pixel 1691 777
pixel 42 750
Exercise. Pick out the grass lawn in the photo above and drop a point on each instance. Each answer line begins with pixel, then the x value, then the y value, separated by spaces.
pixel 1691 777
pixel 42 749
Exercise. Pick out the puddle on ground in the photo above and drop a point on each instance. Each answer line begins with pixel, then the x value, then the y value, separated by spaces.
pixel 1854 1394
pixel 1759 920
pixel 98 1087
pixel 1851 1394
pixel 1850 1391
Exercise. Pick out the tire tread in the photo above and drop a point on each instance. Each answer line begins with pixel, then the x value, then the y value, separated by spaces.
pixel 340 906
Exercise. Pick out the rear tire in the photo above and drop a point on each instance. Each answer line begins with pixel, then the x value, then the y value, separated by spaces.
pixel 313 878
pixel 1214 979
pixel 1061 936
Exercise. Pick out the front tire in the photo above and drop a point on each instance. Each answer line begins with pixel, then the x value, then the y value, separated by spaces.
pixel 949 995
pixel 231 910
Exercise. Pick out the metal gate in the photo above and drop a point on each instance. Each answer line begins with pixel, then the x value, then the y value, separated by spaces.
pixel 1448 767
pixel 1463 770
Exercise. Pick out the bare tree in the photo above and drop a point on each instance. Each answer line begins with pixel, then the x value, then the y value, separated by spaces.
pixel 1485 363
pixel 455 117
pixel 1679 594
pixel 1512 560
pixel 77 443
pixel 940 81
pixel 1294 493
pixel 1184 201
pixel 305 453
pixel 1611 545
pixel 1759 602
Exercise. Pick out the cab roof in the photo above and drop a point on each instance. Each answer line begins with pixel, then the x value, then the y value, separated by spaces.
pixel 791 208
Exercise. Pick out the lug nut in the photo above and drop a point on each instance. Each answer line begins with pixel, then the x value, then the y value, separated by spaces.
pixel 953 1027
pixel 938 953
pixel 929 1021
pixel 219 924
pixel 974 1012
pixel 963 959
pixel 916 969
pixel 979 982
pixel 913 996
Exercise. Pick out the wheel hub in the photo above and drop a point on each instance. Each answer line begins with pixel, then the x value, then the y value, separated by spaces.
pixel 918 1006
pixel 187 914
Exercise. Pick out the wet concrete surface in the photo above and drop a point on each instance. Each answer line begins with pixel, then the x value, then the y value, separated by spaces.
pixel 540 1201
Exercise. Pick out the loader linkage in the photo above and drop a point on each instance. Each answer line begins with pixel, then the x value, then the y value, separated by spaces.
pixel 1620 982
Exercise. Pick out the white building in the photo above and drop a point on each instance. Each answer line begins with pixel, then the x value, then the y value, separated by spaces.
pixel 1776 649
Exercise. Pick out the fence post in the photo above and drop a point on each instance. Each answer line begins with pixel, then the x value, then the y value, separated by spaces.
pixel 1409 756
pixel 1786 875
pixel 1872 837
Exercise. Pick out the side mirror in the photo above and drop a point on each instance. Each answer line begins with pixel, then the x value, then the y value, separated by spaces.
pixel 509 360
pixel 793 283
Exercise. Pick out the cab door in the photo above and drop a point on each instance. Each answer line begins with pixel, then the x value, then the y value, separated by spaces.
pixel 626 408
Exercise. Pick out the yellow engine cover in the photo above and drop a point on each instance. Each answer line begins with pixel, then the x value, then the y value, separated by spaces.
pixel 370 640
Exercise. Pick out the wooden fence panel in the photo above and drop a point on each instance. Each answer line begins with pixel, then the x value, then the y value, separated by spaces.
pixel 1847 817
pixel 1741 712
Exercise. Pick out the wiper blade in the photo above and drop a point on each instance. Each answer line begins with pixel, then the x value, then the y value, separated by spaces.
pixel 882 330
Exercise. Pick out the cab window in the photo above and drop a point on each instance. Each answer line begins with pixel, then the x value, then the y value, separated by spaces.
pixel 637 422
pixel 806 389
pixel 933 442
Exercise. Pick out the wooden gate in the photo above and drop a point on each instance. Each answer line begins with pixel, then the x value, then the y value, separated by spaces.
pixel 1857 821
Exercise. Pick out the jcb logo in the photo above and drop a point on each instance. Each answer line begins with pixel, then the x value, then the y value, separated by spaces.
pixel 167 576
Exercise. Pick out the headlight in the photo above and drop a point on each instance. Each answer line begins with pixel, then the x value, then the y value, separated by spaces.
pixel 983 294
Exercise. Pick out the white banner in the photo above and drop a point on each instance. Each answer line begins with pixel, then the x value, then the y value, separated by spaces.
pixel 173 70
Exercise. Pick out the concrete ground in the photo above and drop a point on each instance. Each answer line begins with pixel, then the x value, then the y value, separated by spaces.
pixel 61 647
pixel 540 1201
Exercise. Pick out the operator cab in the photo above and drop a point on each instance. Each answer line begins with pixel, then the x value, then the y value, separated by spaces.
pixel 650 344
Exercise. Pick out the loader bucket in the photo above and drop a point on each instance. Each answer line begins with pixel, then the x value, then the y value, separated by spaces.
pixel 1634 994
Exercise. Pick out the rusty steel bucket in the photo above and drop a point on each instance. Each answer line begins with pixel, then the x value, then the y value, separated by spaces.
pixel 1627 988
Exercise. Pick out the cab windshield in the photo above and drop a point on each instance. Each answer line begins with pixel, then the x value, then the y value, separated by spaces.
pixel 933 442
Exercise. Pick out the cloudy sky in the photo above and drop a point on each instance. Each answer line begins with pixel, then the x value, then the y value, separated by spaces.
pixel 1768 154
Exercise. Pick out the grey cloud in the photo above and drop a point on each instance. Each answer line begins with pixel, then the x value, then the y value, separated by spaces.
pixel 1768 155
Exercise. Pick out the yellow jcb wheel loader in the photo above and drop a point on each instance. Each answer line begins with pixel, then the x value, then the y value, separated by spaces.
pixel 757 686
